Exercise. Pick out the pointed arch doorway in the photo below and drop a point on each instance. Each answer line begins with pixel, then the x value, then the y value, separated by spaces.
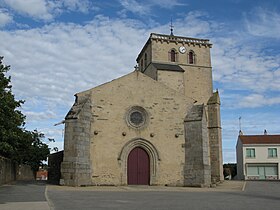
pixel 138 167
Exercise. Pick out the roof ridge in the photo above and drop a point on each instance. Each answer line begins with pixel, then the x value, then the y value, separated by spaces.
pixel 260 139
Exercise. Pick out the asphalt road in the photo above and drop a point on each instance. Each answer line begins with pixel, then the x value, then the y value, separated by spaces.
pixel 23 195
pixel 257 195
pixel 23 191
pixel 36 195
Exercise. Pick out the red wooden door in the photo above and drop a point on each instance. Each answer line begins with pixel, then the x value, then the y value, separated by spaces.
pixel 138 167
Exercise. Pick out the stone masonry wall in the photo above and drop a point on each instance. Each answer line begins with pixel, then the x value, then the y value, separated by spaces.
pixel 10 171
pixel 164 129
pixel 7 171
pixel 76 165
pixel 161 48
pixel 24 172
pixel 197 158
pixel 172 79
pixel 215 138
pixel 196 81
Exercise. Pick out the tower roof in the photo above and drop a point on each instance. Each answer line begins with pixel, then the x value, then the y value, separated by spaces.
pixel 168 67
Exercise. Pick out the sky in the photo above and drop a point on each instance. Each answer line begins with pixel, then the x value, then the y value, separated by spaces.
pixel 57 48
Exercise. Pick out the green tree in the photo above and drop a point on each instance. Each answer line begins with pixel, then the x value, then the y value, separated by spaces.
pixel 11 119
pixel 16 142
pixel 35 151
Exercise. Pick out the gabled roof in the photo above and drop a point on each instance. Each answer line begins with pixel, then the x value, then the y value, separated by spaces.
pixel 135 82
pixel 260 139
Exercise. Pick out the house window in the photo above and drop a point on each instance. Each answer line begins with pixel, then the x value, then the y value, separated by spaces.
pixel 272 152
pixel 250 153
pixel 191 57
pixel 141 65
pixel 172 56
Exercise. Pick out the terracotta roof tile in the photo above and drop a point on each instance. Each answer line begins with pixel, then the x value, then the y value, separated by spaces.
pixel 260 139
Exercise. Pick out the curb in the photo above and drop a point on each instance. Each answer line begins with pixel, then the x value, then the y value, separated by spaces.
pixel 50 203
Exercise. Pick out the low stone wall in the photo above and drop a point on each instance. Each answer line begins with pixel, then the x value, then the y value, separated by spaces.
pixel 10 171
pixel 24 172
pixel 7 170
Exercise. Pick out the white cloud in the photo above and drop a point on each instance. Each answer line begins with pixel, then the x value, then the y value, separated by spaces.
pixel 257 100
pixel 196 25
pixel 37 116
pixel 145 7
pixel 245 62
pixel 135 7
pixel 33 8
pixel 263 22
pixel 5 18
pixel 194 22
pixel 167 3
pixel 238 65
pixel 254 123
pixel 48 9
pixel 50 64
pixel 59 6
pixel 82 6
pixel 53 133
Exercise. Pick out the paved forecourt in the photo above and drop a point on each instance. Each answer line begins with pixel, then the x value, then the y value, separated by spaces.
pixel 229 195
pixel 23 195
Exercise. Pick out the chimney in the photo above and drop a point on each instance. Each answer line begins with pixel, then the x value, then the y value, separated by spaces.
pixel 265 132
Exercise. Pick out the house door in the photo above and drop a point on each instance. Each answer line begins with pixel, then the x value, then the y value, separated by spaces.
pixel 138 167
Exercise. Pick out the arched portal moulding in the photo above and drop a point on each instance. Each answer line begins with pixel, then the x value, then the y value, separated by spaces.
pixel 149 148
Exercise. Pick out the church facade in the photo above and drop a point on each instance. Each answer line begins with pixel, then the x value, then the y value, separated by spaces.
pixel 158 125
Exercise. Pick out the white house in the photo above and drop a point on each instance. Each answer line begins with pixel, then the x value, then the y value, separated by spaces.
pixel 258 157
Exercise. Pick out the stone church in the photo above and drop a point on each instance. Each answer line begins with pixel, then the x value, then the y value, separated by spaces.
pixel 158 125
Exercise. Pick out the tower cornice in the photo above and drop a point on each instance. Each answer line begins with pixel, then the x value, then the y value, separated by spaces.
pixel 180 39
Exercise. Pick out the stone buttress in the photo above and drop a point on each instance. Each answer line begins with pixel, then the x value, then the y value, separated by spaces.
pixel 197 151
pixel 76 166
pixel 215 138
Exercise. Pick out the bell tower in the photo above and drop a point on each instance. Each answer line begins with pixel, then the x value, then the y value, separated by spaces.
pixel 181 63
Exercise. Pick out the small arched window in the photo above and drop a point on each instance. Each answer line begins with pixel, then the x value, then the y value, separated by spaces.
pixel 191 57
pixel 145 60
pixel 172 56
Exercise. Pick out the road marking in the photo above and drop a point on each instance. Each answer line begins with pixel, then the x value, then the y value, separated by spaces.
pixel 244 185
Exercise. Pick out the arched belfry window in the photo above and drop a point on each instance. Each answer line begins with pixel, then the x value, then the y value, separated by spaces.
pixel 191 57
pixel 172 55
